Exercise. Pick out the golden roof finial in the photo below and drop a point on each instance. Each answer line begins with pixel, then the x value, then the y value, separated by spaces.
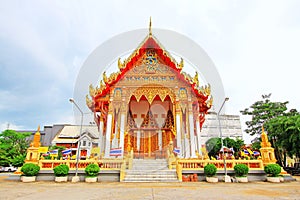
pixel 181 64
pixel 195 79
pixel 36 138
pixel 264 139
pixel 150 27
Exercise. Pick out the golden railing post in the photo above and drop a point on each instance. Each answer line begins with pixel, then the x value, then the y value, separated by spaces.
pixel 122 172
pixel 40 164
pixel 179 171
pixel 130 159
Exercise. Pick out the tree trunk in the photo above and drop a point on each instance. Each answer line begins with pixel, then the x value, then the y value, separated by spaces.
pixel 277 152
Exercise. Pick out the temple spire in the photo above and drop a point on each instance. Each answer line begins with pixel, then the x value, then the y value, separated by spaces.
pixel 150 27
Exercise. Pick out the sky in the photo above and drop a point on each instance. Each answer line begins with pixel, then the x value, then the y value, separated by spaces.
pixel 254 45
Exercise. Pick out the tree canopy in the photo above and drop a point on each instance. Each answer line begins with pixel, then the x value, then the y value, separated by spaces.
pixel 286 131
pixel 283 126
pixel 13 147
pixel 262 111
pixel 213 145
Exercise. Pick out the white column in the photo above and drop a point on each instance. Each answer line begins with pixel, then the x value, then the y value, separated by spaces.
pixel 101 138
pixel 160 139
pixel 138 138
pixel 114 142
pixel 192 135
pixel 108 134
pixel 178 134
pixel 187 152
pixel 122 130
pixel 198 137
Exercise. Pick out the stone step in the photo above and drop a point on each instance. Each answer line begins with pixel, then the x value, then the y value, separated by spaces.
pixel 152 176
pixel 149 161
pixel 150 168
pixel 150 172
pixel 151 164
pixel 153 179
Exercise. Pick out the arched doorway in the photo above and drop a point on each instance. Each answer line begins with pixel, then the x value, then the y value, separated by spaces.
pixel 150 126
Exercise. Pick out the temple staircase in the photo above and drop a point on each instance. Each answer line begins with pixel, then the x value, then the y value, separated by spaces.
pixel 150 171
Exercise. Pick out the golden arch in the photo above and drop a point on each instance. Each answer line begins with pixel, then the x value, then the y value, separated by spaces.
pixel 151 92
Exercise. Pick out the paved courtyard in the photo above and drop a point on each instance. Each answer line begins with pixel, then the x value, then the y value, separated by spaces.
pixel 192 190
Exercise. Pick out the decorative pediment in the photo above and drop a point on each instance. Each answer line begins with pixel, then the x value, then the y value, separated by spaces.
pixel 149 64
pixel 150 92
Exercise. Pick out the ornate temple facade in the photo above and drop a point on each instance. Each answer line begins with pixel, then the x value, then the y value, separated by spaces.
pixel 149 103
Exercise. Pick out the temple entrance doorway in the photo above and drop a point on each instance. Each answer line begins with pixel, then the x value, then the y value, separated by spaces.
pixel 150 127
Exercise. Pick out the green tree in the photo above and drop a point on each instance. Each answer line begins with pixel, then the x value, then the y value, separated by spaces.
pixel 262 111
pixel 235 144
pixel 285 130
pixel 213 145
pixel 13 147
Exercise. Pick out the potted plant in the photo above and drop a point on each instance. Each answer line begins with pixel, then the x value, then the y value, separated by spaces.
pixel 273 171
pixel 91 171
pixel 210 171
pixel 61 173
pixel 241 171
pixel 30 171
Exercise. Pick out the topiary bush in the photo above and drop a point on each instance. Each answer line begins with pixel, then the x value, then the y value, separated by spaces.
pixel 30 169
pixel 61 170
pixel 273 170
pixel 241 170
pixel 210 170
pixel 92 170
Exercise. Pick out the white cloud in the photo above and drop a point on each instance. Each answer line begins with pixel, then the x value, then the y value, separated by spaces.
pixel 6 125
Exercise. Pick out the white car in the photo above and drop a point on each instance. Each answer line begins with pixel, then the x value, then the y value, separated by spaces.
pixel 8 169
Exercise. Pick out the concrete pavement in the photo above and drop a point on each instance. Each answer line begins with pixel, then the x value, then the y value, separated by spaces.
pixel 187 190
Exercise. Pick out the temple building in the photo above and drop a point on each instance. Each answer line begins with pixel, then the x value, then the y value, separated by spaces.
pixel 149 103
pixel 68 135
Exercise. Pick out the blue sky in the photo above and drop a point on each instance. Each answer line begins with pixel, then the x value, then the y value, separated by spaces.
pixel 255 46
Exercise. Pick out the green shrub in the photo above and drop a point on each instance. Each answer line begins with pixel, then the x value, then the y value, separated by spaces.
pixel 241 170
pixel 210 170
pixel 272 170
pixel 30 169
pixel 92 170
pixel 61 170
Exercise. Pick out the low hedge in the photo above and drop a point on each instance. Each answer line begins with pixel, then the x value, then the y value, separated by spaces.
pixel 92 170
pixel 61 170
pixel 210 170
pixel 30 169
pixel 273 170
pixel 241 170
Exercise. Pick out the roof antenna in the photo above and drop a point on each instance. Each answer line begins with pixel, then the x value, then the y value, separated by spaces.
pixel 150 28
